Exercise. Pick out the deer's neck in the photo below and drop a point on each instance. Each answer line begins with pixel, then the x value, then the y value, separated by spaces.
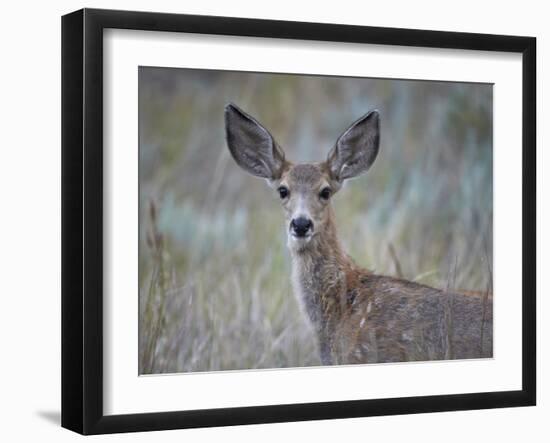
pixel 319 278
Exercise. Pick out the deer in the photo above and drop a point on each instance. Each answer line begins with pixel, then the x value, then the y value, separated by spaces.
pixel 356 315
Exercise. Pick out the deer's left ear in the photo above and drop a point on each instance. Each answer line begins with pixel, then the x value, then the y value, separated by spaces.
pixel 356 149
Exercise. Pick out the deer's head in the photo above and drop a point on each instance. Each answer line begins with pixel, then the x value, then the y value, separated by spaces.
pixel 305 190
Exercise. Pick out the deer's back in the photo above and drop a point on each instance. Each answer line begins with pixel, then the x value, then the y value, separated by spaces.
pixel 391 320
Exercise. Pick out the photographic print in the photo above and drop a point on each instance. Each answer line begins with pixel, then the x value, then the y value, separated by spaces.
pixel 260 208
pixel 291 220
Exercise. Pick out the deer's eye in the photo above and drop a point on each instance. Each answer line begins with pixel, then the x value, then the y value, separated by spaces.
pixel 283 192
pixel 325 193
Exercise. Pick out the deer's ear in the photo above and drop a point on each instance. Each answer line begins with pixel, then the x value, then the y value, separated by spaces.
pixel 356 149
pixel 251 145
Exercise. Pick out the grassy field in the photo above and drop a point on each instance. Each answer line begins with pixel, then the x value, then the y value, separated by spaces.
pixel 214 271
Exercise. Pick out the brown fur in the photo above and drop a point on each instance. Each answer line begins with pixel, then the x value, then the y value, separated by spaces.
pixel 360 317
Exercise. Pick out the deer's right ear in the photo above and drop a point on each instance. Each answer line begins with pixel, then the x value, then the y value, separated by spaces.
pixel 251 145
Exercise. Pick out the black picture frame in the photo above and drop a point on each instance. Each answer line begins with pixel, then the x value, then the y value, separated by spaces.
pixel 82 220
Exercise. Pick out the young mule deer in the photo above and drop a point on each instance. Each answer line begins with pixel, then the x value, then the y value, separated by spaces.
pixel 357 316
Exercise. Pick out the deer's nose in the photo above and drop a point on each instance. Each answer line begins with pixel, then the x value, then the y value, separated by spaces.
pixel 300 226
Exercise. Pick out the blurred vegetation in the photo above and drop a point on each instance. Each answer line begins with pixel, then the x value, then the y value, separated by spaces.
pixel 214 271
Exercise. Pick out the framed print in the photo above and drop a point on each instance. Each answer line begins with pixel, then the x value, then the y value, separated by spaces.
pixel 270 221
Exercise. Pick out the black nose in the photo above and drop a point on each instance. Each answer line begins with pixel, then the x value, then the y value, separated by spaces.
pixel 300 226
